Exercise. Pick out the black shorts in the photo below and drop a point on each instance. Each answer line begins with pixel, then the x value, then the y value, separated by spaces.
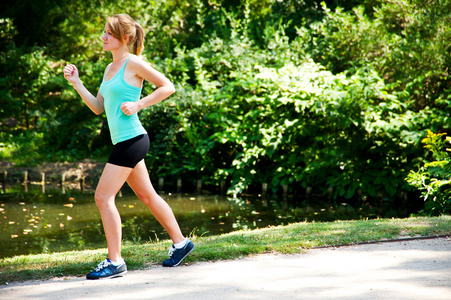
pixel 130 152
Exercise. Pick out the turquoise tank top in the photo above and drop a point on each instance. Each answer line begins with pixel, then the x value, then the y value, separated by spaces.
pixel 115 92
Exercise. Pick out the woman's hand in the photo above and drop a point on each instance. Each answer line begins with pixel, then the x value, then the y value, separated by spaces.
pixel 130 108
pixel 71 73
pixel 94 103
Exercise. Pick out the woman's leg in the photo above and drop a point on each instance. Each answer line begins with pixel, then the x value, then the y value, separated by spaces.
pixel 111 181
pixel 139 181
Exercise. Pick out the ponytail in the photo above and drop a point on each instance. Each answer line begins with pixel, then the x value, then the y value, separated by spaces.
pixel 138 44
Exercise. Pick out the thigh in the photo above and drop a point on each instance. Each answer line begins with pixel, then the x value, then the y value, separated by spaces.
pixel 111 181
pixel 139 181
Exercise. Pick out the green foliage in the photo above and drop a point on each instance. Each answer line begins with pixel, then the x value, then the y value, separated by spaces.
pixel 289 93
pixel 433 178
pixel 304 126
pixel 405 41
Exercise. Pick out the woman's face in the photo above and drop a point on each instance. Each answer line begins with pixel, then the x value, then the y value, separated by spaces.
pixel 109 41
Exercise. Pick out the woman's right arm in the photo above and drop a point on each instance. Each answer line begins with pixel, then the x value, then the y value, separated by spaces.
pixel 94 103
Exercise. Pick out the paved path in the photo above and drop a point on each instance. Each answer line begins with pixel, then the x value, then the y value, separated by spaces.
pixel 419 269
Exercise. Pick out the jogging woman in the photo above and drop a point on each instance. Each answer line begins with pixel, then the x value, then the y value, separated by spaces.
pixel 119 97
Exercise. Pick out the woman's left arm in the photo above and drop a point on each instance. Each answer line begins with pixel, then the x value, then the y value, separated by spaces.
pixel 143 70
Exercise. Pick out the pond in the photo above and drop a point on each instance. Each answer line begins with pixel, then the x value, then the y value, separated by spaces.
pixel 34 220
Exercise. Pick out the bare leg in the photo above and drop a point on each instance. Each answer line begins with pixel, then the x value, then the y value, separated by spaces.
pixel 111 181
pixel 139 181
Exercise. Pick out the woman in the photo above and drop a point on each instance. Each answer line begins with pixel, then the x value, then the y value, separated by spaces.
pixel 119 97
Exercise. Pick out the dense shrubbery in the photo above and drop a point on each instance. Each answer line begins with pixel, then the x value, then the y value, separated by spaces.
pixel 433 178
pixel 286 93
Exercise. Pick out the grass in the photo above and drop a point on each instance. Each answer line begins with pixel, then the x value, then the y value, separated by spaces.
pixel 293 238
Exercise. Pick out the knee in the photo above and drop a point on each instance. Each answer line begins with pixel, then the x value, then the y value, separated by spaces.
pixel 101 199
pixel 148 198
pixel 145 198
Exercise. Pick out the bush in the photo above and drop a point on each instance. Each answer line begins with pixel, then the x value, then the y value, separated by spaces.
pixel 433 178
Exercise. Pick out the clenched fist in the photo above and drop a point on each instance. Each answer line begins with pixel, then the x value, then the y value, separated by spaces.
pixel 71 73
pixel 130 108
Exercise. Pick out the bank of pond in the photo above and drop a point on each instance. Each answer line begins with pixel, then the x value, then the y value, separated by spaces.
pixel 36 220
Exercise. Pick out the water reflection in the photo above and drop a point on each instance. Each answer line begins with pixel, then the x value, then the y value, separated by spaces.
pixel 37 222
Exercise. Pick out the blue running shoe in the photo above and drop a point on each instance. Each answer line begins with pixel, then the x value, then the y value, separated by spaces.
pixel 176 256
pixel 106 270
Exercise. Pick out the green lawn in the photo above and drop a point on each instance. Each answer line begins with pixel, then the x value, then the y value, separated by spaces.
pixel 293 238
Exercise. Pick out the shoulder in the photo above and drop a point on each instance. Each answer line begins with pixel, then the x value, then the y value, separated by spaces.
pixel 139 66
pixel 136 61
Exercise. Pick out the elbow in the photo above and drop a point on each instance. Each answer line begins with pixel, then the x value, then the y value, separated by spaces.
pixel 171 89
pixel 98 111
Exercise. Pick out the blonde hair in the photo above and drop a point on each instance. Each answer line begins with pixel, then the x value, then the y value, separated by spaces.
pixel 122 25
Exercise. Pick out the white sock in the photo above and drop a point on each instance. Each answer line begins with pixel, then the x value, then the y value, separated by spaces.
pixel 181 244
pixel 117 263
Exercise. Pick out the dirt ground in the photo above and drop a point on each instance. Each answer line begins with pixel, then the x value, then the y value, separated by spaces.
pixel 417 269
pixel 87 169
